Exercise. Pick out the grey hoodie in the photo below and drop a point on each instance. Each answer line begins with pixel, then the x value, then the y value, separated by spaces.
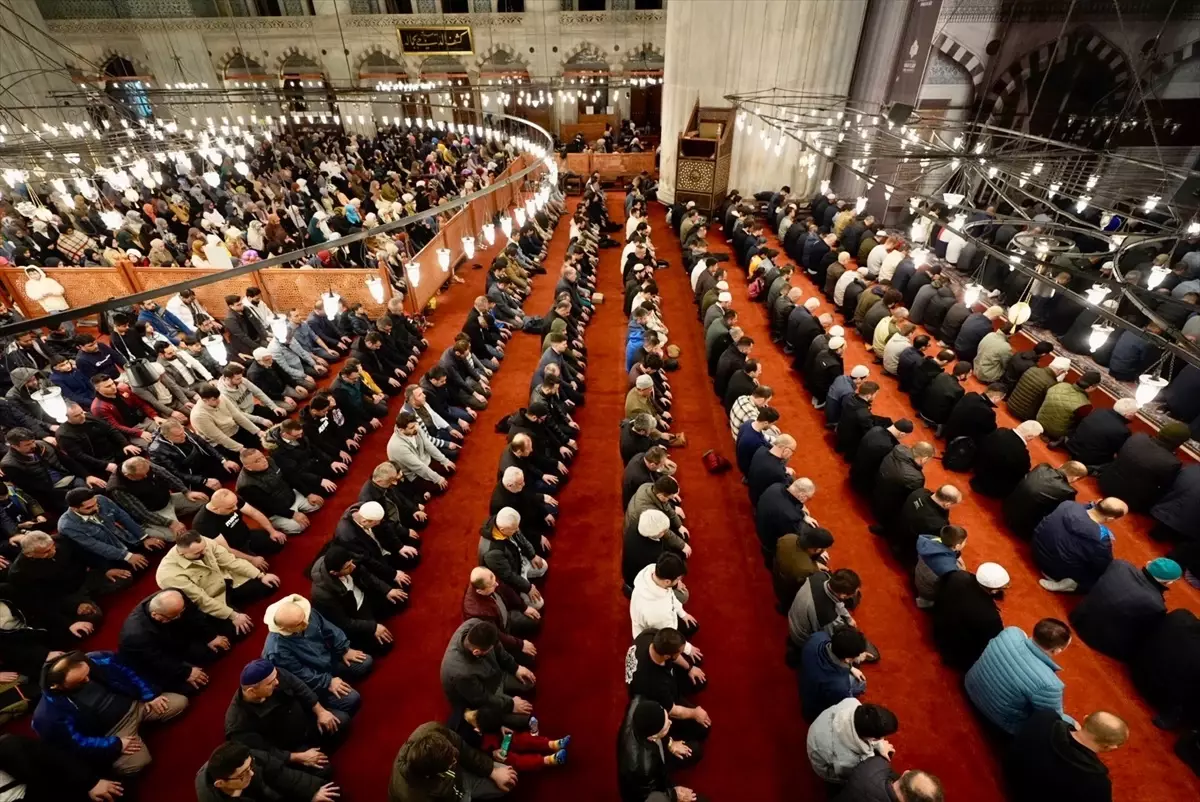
pixel 834 748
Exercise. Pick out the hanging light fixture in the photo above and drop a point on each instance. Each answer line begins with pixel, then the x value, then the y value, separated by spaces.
pixel 443 257
pixel 469 247
pixel 860 205
pixel 52 402
pixel 1099 336
pixel 519 214
pixel 331 301
pixel 1193 229
pixel 971 294
pixel 506 226
pixel 212 179
pixel 1148 388
pixel 1019 313
pixel 530 208
pixel 952 198
pixel 412 270
pixel 215 345
pixel 242 168
pixel 279 328
pixel 112 219
pixel 489 233
pixel 1158 274
pixel 825 186
pixel 375 287
pixel 1097 293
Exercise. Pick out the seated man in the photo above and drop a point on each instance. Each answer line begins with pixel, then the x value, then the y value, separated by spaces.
pixel 1072 546
pixel 303 643
pixel 1124 606
pixel 435 763
pixel 234 772
pixel 645 755
pixel 659 594
pixel 475 674
pixel 937 555
pixel 846 734
pixel 217 420
pixel 411 450
pixel 375 547
pixel 270 377
pixel 965 615
pixel 94 444
pixel 190 458
pixel 37 469
pixel 1002 459
pixel 782 510
pixel 663 667
pixel 264 485
pixel 645 541
pixel 249 397
pixel 105 534
pixel 507 552
pixel 354 600
pixel 1039 494
pixel 154 498
pixel 1164 667
pixel 1016 675
pixel 446 436
pixel 214 579
pixel 274 712
pixel 797 557
pixel 117 404
pixel 1049 759
pixel 403 511
pixel 310 469
pixel 537 510
pixel 222 520
pixel 874 779
pixel 827 670
pixel 487 599
pixel 93 707
pixel 168 641
pixel 33 770
pixel 823 604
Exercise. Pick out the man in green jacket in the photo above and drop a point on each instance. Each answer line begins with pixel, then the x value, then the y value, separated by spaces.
pixel 1057 413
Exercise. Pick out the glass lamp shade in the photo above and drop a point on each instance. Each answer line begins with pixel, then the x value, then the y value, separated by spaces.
pixel 506 226
pixel 331 300
pixel 412 270
pixel 112 219
pixel 825 186
pixel 531 208
pixel 469 247
pixel 489 233
pixel 211 178
pixel 971 294
pixel 443 257
pixel 215 345
pixel 1099 336
pixel 952 198
pixel 1019 313
pixel 242 168
pixel 1097 293
pixel 919 256
pixel 519 214
pixel 52 403
pixel 1148 388
pixel 860 205
pixel 1158 275
pixel 375 287
pixel 279 328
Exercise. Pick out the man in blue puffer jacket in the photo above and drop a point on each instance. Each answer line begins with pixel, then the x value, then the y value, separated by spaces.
pixel 1017 675
pixel 1073 547
pixel 93 705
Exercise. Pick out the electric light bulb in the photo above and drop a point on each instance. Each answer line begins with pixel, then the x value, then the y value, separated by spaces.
pixel 1097 293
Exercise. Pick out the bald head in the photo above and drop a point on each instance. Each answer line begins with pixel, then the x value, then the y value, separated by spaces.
pixel 826 320
pixel 1112 508
pixel 785 441
pixel 167 605
pixel 1106 730
pixel 482 578
pixel 919 786
pixel 290 616
pixel 1073 471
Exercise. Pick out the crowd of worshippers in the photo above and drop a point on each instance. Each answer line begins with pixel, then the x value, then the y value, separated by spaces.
pixel 203 486
pixel 1011 678
pixel 626 139
pixel 486 672
pixel 664 729
pixel 301 190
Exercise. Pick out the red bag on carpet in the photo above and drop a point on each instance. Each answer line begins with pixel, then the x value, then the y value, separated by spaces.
pixel 714 462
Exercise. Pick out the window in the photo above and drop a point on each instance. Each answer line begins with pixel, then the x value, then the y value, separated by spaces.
pixel 267 8
pixel 456 6
pixel 510 6
pixel 648 5
pixel 123 85
pixel 592 5
pixel 399 6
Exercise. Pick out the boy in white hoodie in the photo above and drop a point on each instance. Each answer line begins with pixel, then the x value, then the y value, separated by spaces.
pixel 658 597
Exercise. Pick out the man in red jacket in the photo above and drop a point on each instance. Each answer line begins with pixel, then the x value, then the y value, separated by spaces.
pixel 118 405
pixel 487 599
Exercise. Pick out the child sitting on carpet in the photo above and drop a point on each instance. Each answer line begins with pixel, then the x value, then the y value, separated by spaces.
pixel 482 729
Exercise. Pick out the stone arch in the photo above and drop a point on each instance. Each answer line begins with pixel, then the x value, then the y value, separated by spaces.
pixel 962 56
pixel 501 58
pixel 294 60
pixel 1162 67
pixel 140 68
pixel 379 61
pixel 584 55
pixel 238 65
pixel 1079 41
pixel 646 56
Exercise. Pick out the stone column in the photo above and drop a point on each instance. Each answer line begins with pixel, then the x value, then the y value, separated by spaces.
pixel 721 47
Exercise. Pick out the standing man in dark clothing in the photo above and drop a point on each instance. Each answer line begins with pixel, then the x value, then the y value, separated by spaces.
pixel 1049 761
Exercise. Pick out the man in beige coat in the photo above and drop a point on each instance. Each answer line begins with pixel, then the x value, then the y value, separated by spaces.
pixel 213 578
pixel 219 421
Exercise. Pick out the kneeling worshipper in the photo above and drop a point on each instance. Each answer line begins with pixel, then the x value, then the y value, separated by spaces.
pixel 1124 606
pixel 354 599
pixel 235 772
pixel 965 614
pixel 169 641
pixel 646 754
pixel 1050 759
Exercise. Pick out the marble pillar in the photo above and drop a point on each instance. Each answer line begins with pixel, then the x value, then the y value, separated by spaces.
pixel 721 47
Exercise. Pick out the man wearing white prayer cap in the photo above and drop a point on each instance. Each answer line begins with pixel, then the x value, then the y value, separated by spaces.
pixel 965 615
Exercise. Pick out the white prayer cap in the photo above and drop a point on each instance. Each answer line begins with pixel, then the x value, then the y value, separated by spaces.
pixel 653 524
pixel 407 197
pixel 371 511
pixel 835 343
pixel 420 183
pixel 725 298
pixel 860 372
pixel 864 271
pixel 259 353
pixel 1060 364
pixel 644 382
pixel 991 576
pixel 722 285
pixel 691 205
pixel 837 331
pixel 812 303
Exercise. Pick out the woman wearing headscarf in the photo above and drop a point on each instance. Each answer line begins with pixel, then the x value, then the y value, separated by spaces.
pixel 198 258
pixel 234 242
pixel 255 238
pixel 217 254
pixel 159 255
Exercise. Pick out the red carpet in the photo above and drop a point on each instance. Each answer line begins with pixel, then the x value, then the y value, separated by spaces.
pixel 938 729
pixel 756 751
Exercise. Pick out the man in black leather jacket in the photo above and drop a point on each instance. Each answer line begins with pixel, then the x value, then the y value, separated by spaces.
pixel 645 756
